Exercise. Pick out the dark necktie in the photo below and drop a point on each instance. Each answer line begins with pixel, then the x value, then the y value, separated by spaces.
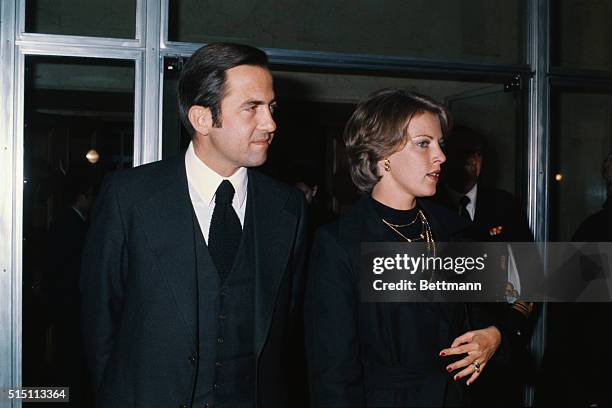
pixel 225 230
pixel 463 211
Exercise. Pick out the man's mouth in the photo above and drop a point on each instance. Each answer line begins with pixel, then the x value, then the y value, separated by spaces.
pixel 262 142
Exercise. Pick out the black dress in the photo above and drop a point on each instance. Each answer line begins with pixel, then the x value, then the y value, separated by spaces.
pixel 378 354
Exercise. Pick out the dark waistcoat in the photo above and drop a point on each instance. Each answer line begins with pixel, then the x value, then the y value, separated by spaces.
pixel 226 363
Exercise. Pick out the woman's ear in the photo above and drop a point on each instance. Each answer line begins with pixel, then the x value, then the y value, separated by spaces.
pixel 200 118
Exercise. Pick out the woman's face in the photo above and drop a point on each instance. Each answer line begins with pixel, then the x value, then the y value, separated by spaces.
pixel 415 169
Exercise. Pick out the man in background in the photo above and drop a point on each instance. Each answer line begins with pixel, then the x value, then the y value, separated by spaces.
pixel 495 216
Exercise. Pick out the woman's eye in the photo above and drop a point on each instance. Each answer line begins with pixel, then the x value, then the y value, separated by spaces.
pixel 422 143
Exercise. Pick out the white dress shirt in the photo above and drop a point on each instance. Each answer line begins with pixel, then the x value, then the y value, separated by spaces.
pixel 513 276
pixel 472 195
pixel 203 183
pixel 471 206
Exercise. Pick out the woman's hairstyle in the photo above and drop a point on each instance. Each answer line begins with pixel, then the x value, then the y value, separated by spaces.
pixel 378 128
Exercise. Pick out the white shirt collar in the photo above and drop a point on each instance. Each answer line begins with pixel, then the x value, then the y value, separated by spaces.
pixel 205 180
pixel 472 194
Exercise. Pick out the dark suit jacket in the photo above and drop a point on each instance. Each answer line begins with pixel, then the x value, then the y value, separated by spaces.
pixel 139 289
pixel 494 208
pixel 373 354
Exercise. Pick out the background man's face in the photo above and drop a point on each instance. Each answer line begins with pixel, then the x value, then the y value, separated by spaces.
pixel 472 166
pixel 247 126
pixel 463 170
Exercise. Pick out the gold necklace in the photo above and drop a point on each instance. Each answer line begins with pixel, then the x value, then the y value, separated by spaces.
pixel 403 225
pixel 425 235
pixel 392 226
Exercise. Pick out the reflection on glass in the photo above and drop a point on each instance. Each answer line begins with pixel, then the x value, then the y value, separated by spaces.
pixel 581 34
pixel 475 30
pixel 96 18
pixel 79 125
pixel 581 134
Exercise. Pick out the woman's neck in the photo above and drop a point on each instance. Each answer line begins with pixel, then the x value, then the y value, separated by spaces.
pixel 393 198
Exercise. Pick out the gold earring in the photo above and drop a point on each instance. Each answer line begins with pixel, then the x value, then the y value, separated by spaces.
pixel 387 164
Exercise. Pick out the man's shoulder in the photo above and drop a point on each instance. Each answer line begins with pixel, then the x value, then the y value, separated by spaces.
pixel 496 194
pixel 271 187
pixel 497 200
pixel 592 228
pixel 147 178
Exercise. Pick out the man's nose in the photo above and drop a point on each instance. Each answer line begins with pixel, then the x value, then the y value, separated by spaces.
pixel 267 122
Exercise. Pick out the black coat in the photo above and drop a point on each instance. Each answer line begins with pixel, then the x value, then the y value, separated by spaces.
pixel 139 291
pixel 377 354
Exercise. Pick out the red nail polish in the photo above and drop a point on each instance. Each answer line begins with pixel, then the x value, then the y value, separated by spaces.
pixel 442 353
pixel 456 377
pixel 449 369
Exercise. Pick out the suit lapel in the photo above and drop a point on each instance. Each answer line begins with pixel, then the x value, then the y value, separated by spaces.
pixel 274 230
pixel 169 227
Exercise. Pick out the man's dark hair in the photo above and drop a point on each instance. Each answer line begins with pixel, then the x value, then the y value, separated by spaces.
pixel 202 80
pixel 462 143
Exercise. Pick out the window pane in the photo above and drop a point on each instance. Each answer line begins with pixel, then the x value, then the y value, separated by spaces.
pixel 581 34
pixel 79 125
pixel 475 30
pixel 580 137
pixel 95 18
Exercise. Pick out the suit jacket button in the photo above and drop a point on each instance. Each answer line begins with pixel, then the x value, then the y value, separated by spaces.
pixel 222 316
pixel 192 359
pixel 219 364
pixel 220 340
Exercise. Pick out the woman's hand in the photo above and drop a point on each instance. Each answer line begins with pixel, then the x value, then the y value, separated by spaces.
pixel 479 345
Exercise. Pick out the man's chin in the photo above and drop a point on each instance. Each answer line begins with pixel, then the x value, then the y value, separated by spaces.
pixel 257 161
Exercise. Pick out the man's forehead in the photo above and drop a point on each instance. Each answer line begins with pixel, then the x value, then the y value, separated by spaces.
pixel 248 76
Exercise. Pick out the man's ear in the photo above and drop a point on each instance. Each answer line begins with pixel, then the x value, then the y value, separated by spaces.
pixel 200 118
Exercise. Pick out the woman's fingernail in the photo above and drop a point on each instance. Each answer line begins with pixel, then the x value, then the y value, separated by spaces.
pixel 467 383
pixel 449 369
pixel 442 354
pixel 456 377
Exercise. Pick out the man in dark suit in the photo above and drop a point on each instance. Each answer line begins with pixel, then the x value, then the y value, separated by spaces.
pixel 495 216
pixel 191 277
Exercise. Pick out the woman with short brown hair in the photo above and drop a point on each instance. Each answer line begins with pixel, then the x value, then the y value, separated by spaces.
pixel 389 354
